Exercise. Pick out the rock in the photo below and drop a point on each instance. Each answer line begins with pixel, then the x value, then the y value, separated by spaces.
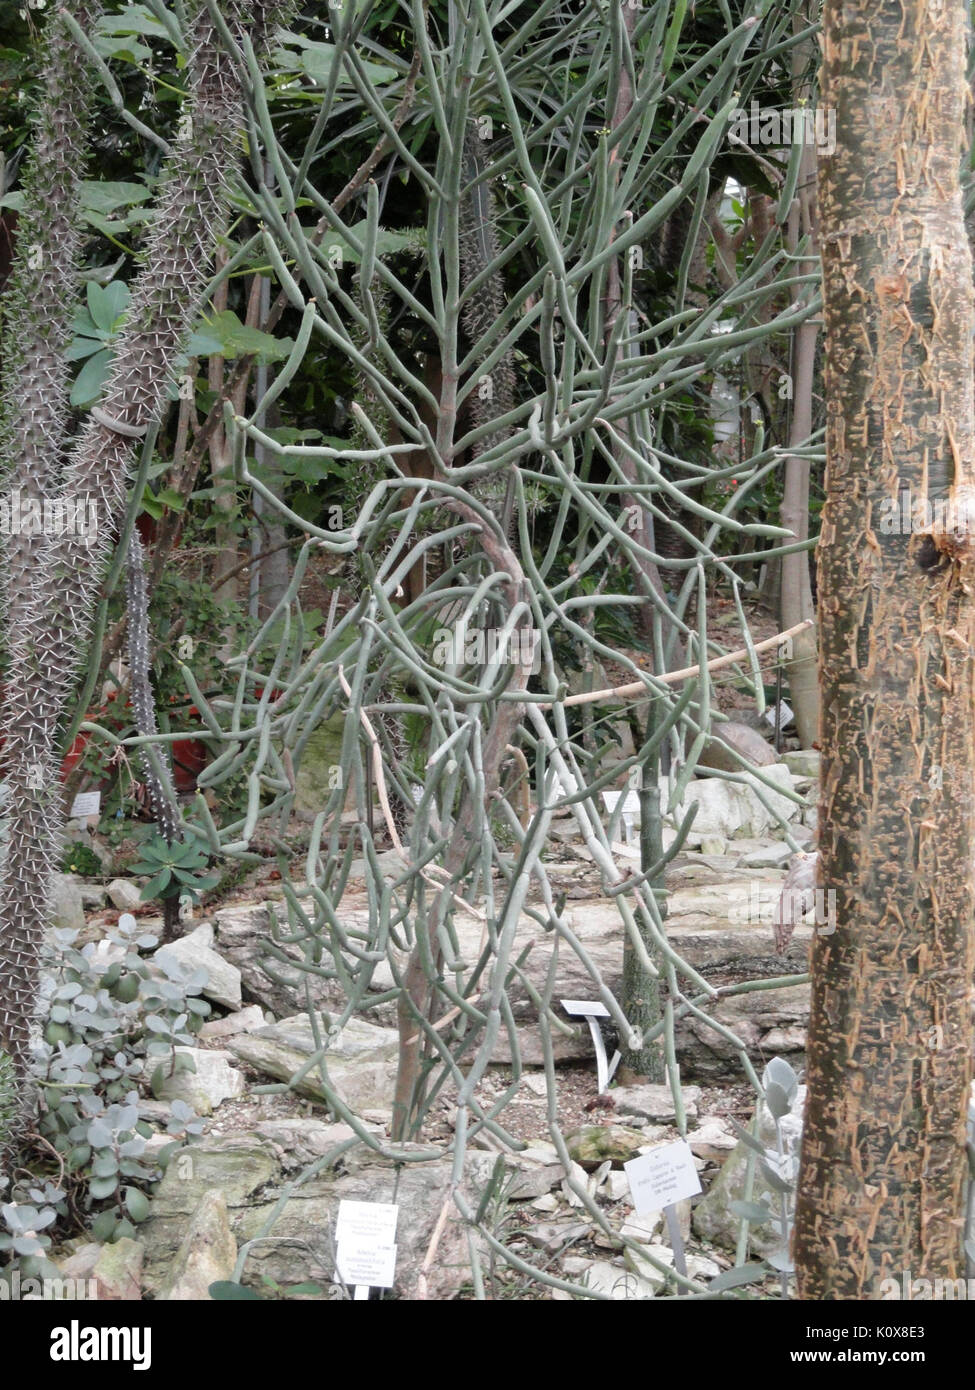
pixel 298 1141
pixel 701 1268
pixel 730 809
pixel 595 1144
pixel 208 1251
pixel 545 1203
pixel 242 936
pixel 93 896
pixel 249 1172
pixel 698 1266
pixel 712 1139
pixel 116 1269
pixel 361 1061
pixel 772 856
pixel 535 1082
pixel 616 1282
pixel 553 1236
pixel 244 1021
pixel 616 1186
pixel 639 1263
pixel 196 952
pixel 727 739
pixel 713 844
pixel 655 1102
pixel 642 1228
pixel 125 894
pixel 713 1218
pixel 576 1175
pixel 803 762
pixel 67 904
pixel 213 1082
pixel 532 1175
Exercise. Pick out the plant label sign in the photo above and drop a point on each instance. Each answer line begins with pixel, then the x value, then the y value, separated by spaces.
pixel 585 1008
pixel 630 812
pixel 662 1177
pixel 785 715
pixel 590 1010
pixel 86 804
pixel 365 1245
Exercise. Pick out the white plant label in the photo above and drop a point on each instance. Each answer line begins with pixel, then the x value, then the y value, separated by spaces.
pixel 364 1265
pixel 86 804
pixel 631 802
pixel 590 1010
pixel 365 1244
pixel 584 1008
pixel 662 1177
pixel 785 715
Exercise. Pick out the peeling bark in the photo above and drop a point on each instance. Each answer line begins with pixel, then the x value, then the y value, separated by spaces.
pixel 883 1161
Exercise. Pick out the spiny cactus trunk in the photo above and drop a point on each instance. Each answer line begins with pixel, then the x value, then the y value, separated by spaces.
pixel 34 412
pixel 65 578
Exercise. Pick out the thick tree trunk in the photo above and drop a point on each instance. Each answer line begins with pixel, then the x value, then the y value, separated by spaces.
pixel 883 1160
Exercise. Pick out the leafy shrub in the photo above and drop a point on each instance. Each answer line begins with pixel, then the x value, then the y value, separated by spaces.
pixel 110 1015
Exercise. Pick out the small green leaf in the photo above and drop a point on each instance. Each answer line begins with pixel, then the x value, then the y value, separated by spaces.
pixel 156 885
pixel 108 196
pixel 747 1138
pixel 81 347
pixel 136 1204
pixel 774 1180
pixel 103 1226
pixel 782 1261
pixel 751 1211
pixel 91 379
pixel 238 340
pixel 777 1100
pixel 734 1278
pixel 225 1290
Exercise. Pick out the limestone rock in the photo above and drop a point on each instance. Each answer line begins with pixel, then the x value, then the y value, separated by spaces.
pixel 713 1218
pixel 655 1102
pixel 595 1144
pixel 774 855
pixel 361 1061
pixel 125 894
pixel 728 739
pixel 241 936
pixel 712 1139
pixel 803 762
pixel 196 952
pixel 248 1171
pixel 213 1082
pixel 243 1021
pixel 67 905
pixel 207 1253
pixel 116 1269
pixel 617 1282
